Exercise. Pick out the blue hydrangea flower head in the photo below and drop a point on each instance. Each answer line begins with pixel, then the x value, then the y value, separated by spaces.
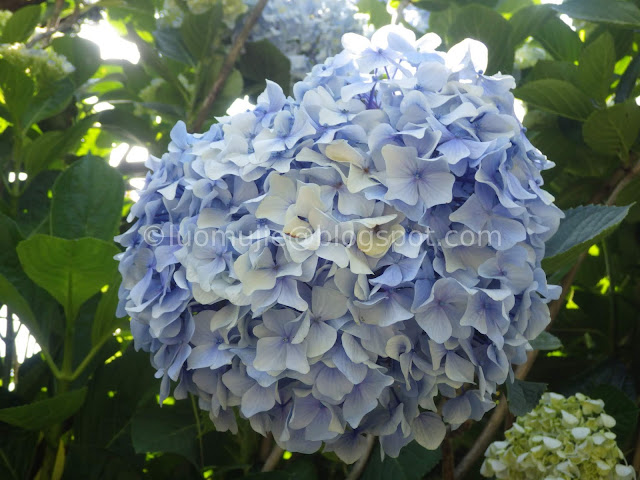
pixel 360 258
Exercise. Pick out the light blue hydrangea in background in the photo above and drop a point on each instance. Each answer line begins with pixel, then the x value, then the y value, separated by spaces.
pixel 307 31
pixel 360 258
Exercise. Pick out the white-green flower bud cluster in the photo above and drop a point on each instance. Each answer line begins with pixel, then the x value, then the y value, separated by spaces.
pixel 5 15
pixel 561 439
pixel 42 65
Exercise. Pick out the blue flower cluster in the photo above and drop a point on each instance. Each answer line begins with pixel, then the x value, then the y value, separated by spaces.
pixel 361 258
pixel 307 31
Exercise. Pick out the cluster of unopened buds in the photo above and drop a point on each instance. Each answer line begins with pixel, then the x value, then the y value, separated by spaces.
pixel 309 262
pixel 562 438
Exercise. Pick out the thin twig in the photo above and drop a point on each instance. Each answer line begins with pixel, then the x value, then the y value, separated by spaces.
pixel 273 459
pixel 636 455
pixel 361 463
pixel 227 66
pixel 621 178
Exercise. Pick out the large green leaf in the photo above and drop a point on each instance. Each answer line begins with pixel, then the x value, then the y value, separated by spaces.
pixel 17 291
pixel 10 296
pixel 49 102
pixel 17 89
pixel 527 21
pixel 524 396
pixel 617 12
pixel 45 413
pixel 614 130
pixel 559 39
pixel 595 71
pixel 263 61
pixel 70 270
pixel 556 96
pixel 49 146
pixel 167 429
pixel 34 203
pixel 413 463
pixel 486 25
pixel 198 31
pixel 21 24
pixel 170 44
pixel 83 54
pixel 87 200
pixel 582 227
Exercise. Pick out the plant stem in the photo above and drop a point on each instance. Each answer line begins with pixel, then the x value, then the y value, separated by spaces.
pixel 448 460
pixel 196 415
pixel 273 459
pixel 611 291
pixel 360 465
pixel 227 66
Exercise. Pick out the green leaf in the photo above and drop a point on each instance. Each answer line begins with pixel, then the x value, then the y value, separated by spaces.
pixel 170 43
pixel 104 319
pixel 83 54
pixel 263 61
pixel 17 88
pixel 377 11
pixel 413 463
pixel 70 270
pixel 45 413
pixel 49 146
pixel 524 396
pixel 559 39
pixel 21 24
pixel 34 203
pixel 582 227
pixel 556 96
pixel 167 429
pixel 10 296
pixel 126 125
pixel 614 130
pixel 472 21
pixel 619 406
pixel 546 341
pixel 198 31
pixel 617 12
pixel 87 200
pixel 49 102
pixel 527 21
pixel 595 70
pixel 18 291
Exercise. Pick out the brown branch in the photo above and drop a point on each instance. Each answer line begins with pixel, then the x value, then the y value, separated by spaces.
pixel 227 66
pixel 360 465
pixel 448 460
pixel 619 180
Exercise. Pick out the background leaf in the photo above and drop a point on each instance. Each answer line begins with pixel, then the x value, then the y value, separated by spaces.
pixel 556 96
pixel 617 12
pixel 582 227
pixel 21 24
pixel 524 396
pixel 614 130
pixel 44 413
pixel 87 200
pixel 70 270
